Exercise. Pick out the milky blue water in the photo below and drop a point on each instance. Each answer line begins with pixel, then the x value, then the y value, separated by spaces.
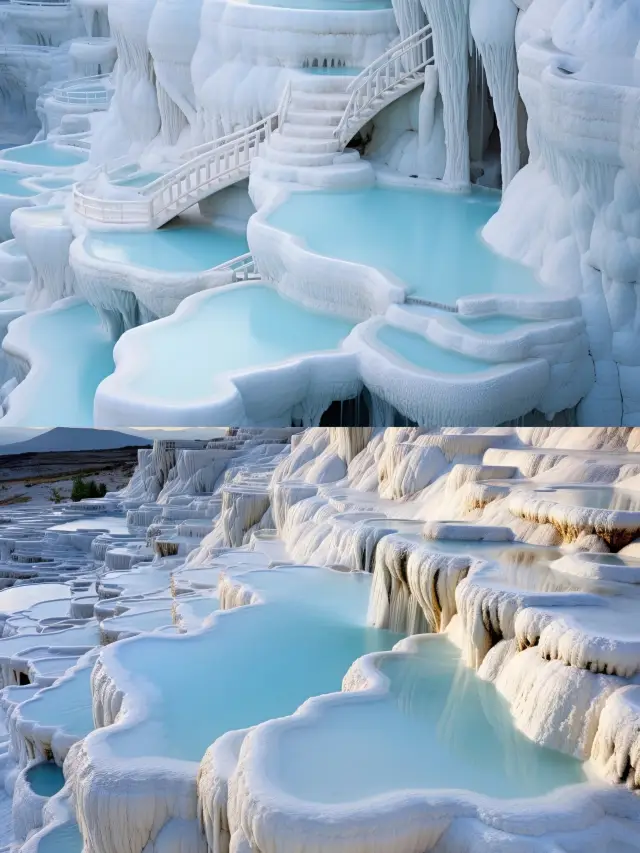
pixel 175 248
pixel 10 184
pixel 255 663
pixel 497 325
pixel 112 523
pixel 76 355
pixel 45 779
pixel 45 154
pixel 421 352
pixel 440 726
pixel 65 838
pixel 18 598
pixel 430 240
pixel 53 183
pixel 66 705
pixel 230 331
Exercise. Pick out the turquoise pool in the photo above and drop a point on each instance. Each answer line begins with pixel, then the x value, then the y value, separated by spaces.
pixel 45 779
pixel 497 325
pixel 439 726
pixel 175 248
pixel 420 352
pixel 234 330
pixel 254 664
pixel 45 154
pixel 11 184
pixel 430 240
pixel 74 354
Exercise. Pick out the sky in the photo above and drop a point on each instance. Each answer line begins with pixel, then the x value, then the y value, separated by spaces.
pixel 19 440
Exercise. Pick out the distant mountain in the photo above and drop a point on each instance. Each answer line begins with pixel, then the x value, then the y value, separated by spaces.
pixel 13 441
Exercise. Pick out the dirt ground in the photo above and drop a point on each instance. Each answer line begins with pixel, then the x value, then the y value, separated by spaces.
pixel 30 478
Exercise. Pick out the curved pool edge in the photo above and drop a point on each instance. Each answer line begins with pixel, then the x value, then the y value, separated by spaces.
pixel 243 396
pixel 398 822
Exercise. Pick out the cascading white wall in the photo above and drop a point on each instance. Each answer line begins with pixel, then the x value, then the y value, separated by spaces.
pixel 133 119
pixel 572 212
pixel 450 22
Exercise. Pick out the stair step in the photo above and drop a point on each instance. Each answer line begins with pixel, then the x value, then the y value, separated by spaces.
pixel 326 118
pixel 307 131
pixel 319 100
pixel 299 144
pixel 294 158
pixel 306 81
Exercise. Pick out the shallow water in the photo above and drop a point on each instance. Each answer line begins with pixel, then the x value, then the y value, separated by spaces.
pixel 67 705
pixel 430 240
pixel 65 838
pixel 177 248
pixel 45 779
pixel 79 354
pixel 10 184
pixel 44 154
pixel 112 523
pixel 421 352
pixel 231 331
pixel 255 663
pixel 17 598
pixel 497 325
pixel 592 497
pixel 440 726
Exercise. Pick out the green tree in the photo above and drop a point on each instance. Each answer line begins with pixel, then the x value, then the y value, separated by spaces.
pixel 79 490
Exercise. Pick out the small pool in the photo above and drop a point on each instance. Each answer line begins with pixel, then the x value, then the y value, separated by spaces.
pixel 422 353
pixel 430 240
pixel 74 353
pixel 112 523
pixel 17 598
pixel 231 331
pixel 52 183
pixel 592 497
pixel 66 706
pixel 174 248
pixel 45 154
pixel 148 620
pixel 497 325
pixel 253 664
pixel 45 779
pixel 439 727
pixel 62 838
pixel 11 184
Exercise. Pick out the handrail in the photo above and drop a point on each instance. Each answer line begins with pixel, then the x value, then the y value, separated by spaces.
pixel 386 73
pixel 207 164
pixel 243 268
pixel 67 92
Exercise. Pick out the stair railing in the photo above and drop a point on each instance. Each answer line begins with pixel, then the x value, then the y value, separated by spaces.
pixel 402 61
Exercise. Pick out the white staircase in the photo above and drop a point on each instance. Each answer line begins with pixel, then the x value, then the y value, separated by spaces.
pixel 326 111
pixel 210 168
pixel 317 116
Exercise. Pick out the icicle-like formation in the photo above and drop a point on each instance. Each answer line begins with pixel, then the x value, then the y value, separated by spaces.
pixel 616 747
pixel 450 22
pixel 493 25
pixel 413 587
pixel 557 706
